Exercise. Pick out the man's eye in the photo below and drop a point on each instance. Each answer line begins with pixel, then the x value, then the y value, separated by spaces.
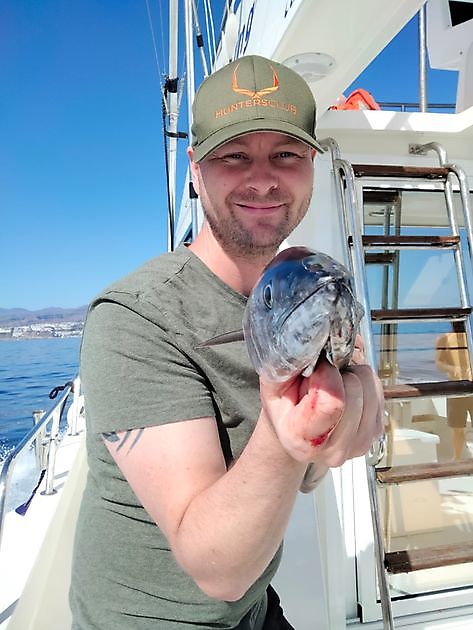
pixel 287 154
pixel 233 156
pixel 229 157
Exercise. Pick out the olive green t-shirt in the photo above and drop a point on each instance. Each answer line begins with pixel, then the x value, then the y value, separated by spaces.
pixel 140 367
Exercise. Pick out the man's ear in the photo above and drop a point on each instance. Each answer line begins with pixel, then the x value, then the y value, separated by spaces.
pixel 194 168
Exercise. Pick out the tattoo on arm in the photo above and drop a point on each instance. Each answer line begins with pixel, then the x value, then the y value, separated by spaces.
pixel 112 436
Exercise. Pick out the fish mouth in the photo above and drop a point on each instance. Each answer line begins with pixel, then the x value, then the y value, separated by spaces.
pixel 323 285
pixel 320 338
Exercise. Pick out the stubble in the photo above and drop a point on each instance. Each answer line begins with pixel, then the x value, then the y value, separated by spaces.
pixel 260 240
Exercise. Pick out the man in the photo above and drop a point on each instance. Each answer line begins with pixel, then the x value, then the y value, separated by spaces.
pixel 190 488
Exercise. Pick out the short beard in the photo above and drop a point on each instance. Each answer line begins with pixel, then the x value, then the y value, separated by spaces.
pixel 241 242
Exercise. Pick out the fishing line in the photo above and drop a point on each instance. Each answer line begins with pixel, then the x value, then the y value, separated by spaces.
pixel 209 17
pixel 211 41
pixel 161 21
pixel 164 88
pixel 153 38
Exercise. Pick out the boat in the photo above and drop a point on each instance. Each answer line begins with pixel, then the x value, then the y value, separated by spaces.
pixel 385 541
pixel 55 448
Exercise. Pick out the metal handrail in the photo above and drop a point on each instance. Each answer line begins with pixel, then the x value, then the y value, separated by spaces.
pixel 461 265
pixel 54 415
pixel 405 107
pixel 348 204
pixel 348 201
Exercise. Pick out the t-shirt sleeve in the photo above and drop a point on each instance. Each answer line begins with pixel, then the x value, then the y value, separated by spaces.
pixel 134 375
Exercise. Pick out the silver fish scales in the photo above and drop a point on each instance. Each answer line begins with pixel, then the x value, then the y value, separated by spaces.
pixel 302 305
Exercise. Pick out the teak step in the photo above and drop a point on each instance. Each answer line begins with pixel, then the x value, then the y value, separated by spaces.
pixel 392 170
pixel 408 241
pixel 418 472
pixel 406 391
pixel 429 558
pixel 384 258
pixel 379 196
pixel 420 314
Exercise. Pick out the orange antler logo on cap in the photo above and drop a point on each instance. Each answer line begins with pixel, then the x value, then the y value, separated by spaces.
pixel 251 93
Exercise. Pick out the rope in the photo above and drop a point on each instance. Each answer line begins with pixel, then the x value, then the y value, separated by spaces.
pixel 55 391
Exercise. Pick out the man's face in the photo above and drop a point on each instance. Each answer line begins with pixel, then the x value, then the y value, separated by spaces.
pixel 255 190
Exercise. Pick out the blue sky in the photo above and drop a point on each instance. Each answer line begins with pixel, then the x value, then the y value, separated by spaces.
pixel 82 187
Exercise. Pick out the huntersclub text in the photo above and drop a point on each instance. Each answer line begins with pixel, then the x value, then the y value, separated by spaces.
pixel 256 102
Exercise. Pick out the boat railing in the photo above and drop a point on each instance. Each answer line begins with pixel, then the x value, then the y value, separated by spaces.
pixel 44 442
pixel 415 107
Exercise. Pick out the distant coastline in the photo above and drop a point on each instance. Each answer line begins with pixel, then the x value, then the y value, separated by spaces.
pixel 42 331
pixel 46 323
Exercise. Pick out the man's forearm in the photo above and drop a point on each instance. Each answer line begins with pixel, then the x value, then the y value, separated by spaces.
pixel 231 531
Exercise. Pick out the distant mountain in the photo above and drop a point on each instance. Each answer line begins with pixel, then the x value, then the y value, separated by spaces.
pixel 24 317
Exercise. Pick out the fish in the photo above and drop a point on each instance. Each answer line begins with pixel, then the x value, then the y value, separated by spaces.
pixel 301 308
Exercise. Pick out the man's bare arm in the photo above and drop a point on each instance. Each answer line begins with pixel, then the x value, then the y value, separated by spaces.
pixel 224 526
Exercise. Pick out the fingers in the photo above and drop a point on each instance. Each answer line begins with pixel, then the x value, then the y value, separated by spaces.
pixel 359 358
pixel 322 401
pixel 373 409
pixel 381 417
pixel 305 411
pixel 362 420
pixel 339 444
pixel 329 417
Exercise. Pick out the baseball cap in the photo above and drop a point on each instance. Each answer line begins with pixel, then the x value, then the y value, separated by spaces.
pixel 252 94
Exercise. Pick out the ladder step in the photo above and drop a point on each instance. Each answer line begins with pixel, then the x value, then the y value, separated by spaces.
pixel 381 196
pixel 405 242
pixel 384 258
pixel 454 313
pixel 392 170
pixel 418 472
pixel 405 391
pixel 429 558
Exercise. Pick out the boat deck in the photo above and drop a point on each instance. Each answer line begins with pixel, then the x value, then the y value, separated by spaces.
pixel 23 535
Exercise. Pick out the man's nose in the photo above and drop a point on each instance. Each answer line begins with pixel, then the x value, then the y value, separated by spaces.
pixel 262 176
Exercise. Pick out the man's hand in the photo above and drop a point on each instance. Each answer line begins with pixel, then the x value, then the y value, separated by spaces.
pixel 329 417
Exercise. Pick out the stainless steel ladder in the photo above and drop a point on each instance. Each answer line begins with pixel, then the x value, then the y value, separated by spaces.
pixel 359 245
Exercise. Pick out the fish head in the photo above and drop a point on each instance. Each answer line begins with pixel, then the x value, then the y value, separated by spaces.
pixel 301 305
pixel 344 322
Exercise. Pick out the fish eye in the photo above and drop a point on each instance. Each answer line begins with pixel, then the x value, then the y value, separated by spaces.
pixel 312 264
pixel 268 295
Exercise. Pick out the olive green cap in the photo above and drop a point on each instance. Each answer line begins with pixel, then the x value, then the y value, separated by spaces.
pixel 252 94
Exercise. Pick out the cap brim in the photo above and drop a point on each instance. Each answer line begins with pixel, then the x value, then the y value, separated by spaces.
pixel 251 126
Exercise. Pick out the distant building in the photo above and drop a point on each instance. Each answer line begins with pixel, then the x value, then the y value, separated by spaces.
pixel 43 331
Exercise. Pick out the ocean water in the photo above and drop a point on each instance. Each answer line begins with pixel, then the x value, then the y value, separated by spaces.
pixel 415 353
pixel 29 370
